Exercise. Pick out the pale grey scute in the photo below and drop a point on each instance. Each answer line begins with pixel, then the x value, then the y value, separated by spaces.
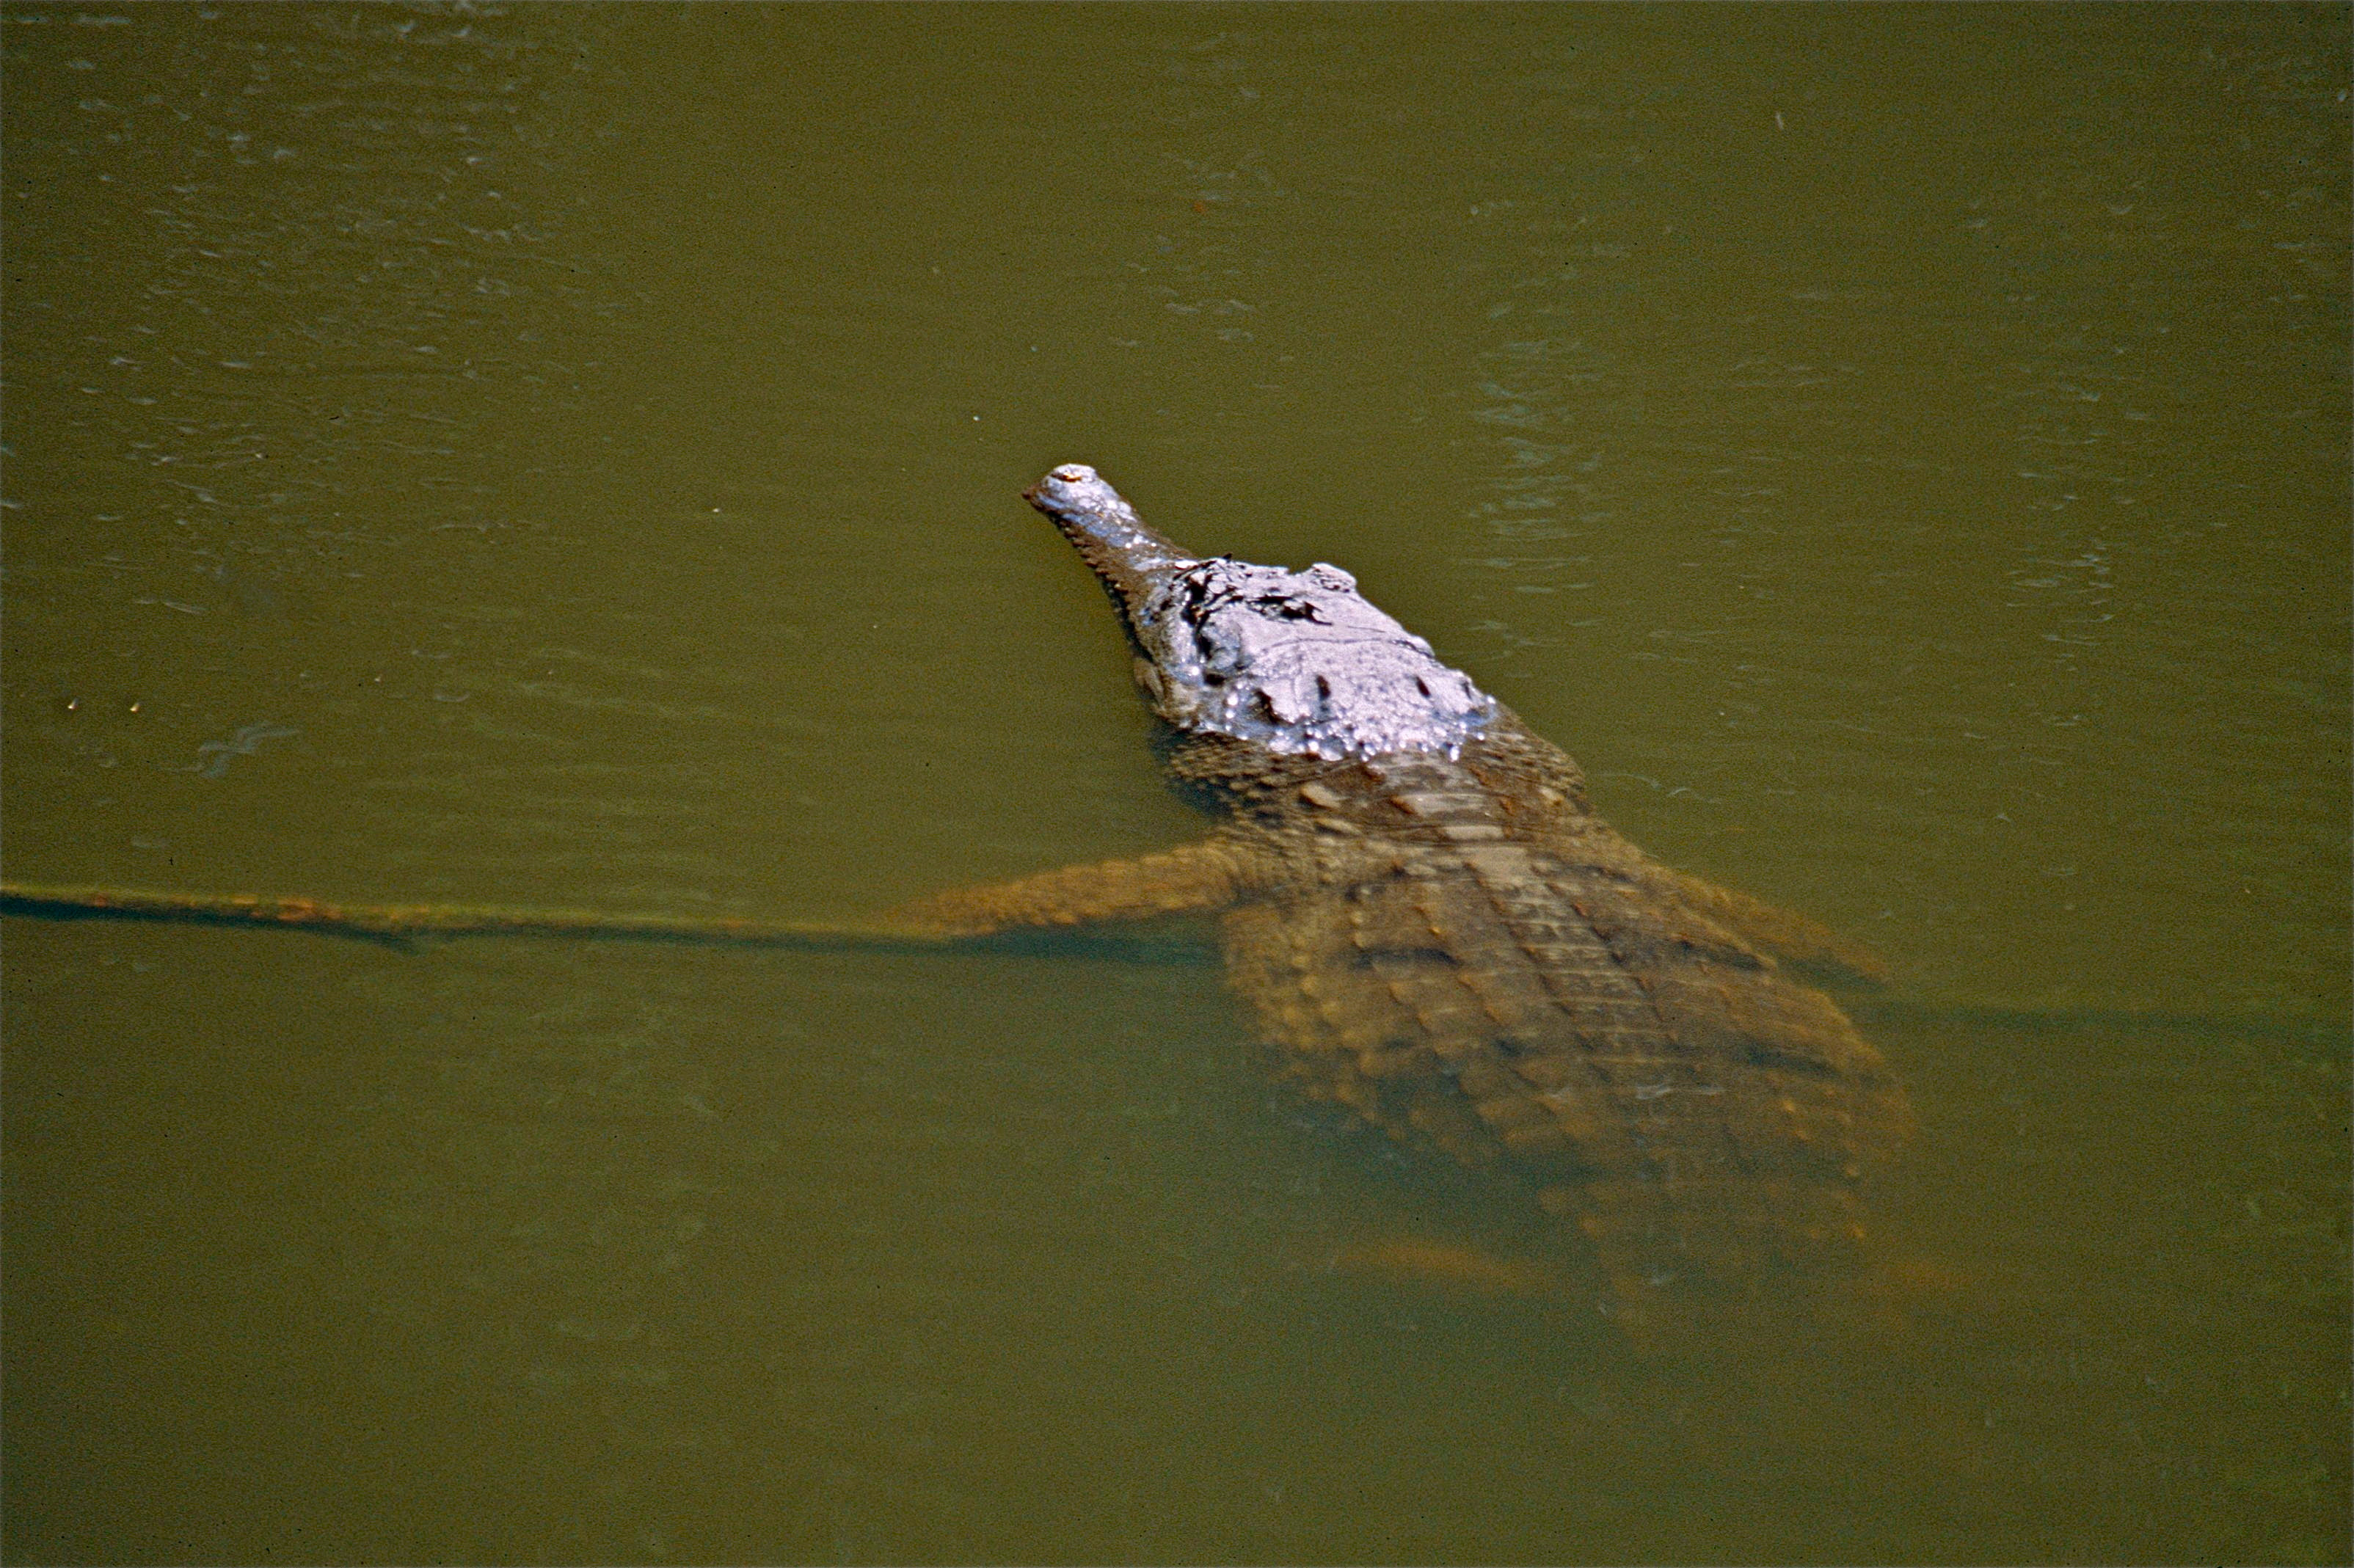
pixel 1301 662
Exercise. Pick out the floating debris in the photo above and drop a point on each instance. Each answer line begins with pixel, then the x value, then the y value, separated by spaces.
pixel 214 756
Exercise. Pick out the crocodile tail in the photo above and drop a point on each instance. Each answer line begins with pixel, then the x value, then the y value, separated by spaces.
pixel 1683 1104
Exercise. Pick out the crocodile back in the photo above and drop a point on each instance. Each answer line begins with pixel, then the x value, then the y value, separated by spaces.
pixel 1523 1005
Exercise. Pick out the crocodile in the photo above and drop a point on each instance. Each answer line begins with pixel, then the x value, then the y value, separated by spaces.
pixel 1418 901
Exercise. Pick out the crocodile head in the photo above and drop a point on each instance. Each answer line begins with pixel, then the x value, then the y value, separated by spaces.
pixel 1297 662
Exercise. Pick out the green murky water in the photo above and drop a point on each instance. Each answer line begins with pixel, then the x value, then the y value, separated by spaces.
pixel 568 456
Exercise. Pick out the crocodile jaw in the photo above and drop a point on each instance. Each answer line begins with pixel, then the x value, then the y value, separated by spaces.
pixel 1299 663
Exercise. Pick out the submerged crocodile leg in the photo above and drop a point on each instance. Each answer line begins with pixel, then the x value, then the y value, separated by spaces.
pixel 1204 878
pixel 1781 932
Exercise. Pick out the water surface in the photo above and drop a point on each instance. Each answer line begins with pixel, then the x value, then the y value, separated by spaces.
pixel 568 456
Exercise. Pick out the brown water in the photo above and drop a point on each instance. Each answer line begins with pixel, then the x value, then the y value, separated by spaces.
pixel 568 456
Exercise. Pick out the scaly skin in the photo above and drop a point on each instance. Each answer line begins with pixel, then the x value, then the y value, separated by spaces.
pixel 1424 912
